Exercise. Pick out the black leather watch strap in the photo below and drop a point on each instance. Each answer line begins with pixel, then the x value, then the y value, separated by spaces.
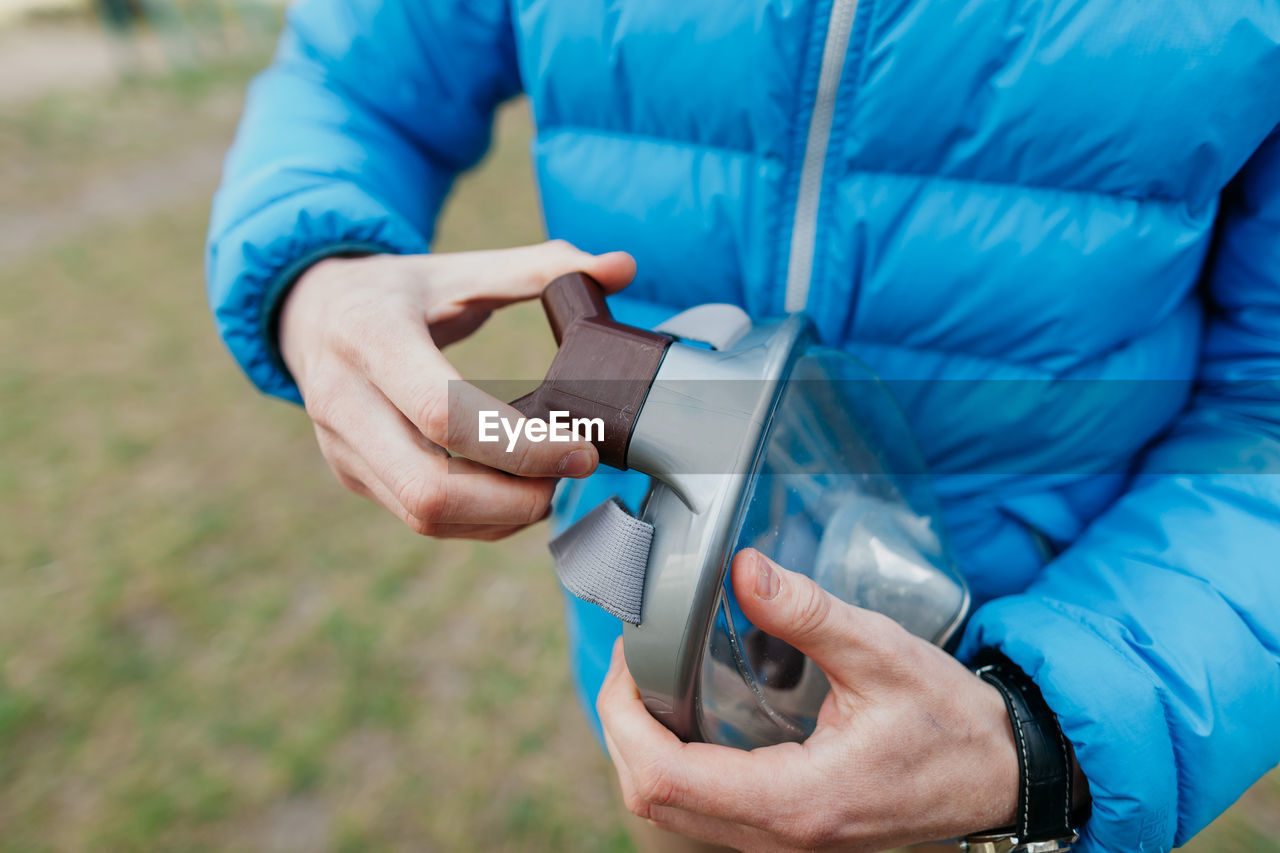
pixel 1044 763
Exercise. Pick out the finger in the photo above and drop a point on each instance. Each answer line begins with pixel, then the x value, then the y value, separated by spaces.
pixel 420 382
pixel 416 480
pixel 358 477
pixel 615 681
pixel 730 784
pixel 626 782
pixel 711 830
pixel 534 267
pixel 462 301
pixel 475 532
pixel 618 682
pixel 354 473
pixel 508 275
pixel 845 641
pixel 482 428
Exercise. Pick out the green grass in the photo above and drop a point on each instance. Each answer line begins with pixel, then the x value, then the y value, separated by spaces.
pixel 53 144
pixel 205 641
pixel 205 644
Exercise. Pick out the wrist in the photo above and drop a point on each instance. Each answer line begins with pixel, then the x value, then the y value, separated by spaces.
pixel 282 290
pixel 1046 768
pixel 302 311
pixel 998 805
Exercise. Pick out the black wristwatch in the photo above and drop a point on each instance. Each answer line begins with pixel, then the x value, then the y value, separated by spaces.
pixel 1045 772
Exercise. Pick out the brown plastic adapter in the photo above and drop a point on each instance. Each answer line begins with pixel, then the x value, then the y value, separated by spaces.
pixel 603 369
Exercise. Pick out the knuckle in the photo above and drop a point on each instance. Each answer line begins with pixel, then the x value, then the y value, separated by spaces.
pixel 536 504
pixel 557 258
pixel 323 411
pixel 493 533
pixel 323 404
pixel 655 786
pixel 354 329
pixel 523 457
pixel 886 637
pixel 425 498
pixel 811 611
pixel 421 526
pixel 330 445
pixel 431 416
pixel 636 804
pixel 350 483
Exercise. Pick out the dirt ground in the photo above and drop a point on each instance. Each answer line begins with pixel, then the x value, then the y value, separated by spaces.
pixel 38 60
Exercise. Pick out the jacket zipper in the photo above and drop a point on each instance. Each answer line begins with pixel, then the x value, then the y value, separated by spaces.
pixel 804 227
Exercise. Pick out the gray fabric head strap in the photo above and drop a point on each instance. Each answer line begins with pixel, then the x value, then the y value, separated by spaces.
pixel 602 559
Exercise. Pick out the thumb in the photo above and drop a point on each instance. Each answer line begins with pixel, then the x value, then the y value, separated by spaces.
pixel 614 270
pixel 791 607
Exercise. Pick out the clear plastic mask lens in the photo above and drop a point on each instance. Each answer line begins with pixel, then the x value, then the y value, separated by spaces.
pixel 839 494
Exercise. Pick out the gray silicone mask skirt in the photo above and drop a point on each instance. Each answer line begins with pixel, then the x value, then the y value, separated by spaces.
pixel 763 439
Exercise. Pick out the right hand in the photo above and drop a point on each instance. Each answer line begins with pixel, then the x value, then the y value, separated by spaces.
pixel 362 337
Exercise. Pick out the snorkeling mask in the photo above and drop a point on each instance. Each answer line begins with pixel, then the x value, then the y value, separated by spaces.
pixel 756 436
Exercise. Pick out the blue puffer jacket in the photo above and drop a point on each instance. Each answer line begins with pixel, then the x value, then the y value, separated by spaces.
pixel 1078 193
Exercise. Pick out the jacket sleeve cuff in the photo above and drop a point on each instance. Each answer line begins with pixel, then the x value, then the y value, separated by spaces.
pixel 252 265
pixel 1108 708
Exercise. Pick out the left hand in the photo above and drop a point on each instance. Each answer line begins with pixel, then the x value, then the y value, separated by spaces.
pixel 910 745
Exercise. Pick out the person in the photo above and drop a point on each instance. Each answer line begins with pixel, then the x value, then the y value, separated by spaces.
pixel 1081 199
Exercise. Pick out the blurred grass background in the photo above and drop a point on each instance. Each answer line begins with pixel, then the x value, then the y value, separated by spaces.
pixel 205 643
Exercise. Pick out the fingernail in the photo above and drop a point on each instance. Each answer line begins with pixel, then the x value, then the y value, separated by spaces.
pixel 767 581
pixel 575 464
